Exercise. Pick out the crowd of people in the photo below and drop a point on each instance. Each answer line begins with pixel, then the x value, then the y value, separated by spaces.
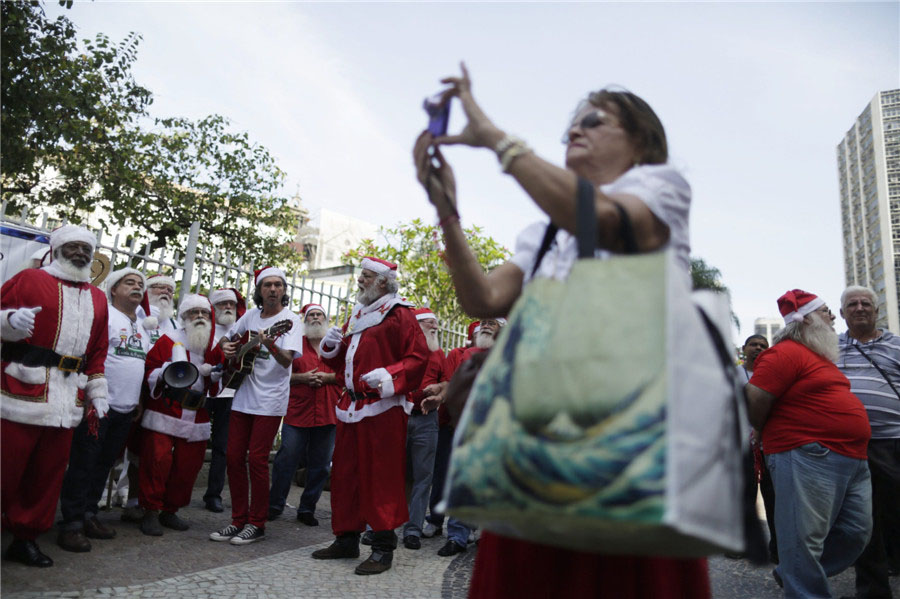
pixel 89 378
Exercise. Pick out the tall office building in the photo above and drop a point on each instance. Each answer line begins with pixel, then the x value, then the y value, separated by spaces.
pixel 869 172
pixel 767 327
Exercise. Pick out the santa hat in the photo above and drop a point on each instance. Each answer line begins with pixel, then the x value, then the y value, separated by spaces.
pixel 69 233
pixel 229 294
pixel 191 301
pixel 501 321
pixel 268 271
pixel 473 329
pixel 115 276
pixel 161 279
pixel 424 314
pixel 379 266
pixel 309 307
pixel 796 303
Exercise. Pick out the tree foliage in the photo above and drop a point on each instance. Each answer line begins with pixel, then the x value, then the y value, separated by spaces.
pixel 78 136
pixel 705 276
pixel 422 273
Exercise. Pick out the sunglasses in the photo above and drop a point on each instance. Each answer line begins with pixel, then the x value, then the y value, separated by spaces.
pixel 591 120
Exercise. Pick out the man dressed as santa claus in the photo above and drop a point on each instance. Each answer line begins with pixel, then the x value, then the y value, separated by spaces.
pixel 176 425
pixel 53 324
pixel 160 295
pixel 379 357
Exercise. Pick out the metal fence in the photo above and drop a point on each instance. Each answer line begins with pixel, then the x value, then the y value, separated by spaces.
pixel 200 269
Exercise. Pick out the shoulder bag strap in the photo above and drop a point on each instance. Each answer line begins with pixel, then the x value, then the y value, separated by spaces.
pixel 878 368
pixel 586 222
pixel 546 242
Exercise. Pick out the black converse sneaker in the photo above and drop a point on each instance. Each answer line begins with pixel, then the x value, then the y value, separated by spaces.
pixel 250 534
pixel 226 534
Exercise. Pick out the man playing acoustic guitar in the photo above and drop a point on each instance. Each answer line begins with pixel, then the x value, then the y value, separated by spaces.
pixel 259 403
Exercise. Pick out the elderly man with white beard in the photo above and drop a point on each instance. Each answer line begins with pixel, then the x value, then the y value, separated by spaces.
pixel 176 425
pixel 379 357
pixel 814 435
pixel 160 294
pixel 228 306
pixel 53 327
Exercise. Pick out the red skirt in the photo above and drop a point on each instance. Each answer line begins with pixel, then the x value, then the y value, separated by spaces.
pixel 512 568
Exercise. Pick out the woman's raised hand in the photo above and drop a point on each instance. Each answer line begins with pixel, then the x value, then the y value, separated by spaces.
pixel 479 130
pixel 435 175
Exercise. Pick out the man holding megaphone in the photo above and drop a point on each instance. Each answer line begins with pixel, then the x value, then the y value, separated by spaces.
pixel 180 372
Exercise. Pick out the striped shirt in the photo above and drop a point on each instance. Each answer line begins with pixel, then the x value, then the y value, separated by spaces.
pixel 882 404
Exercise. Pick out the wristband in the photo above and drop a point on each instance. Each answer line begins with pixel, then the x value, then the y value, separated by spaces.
pixel 452 217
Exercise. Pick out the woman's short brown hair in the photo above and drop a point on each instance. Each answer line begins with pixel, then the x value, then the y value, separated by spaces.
pixel 638 120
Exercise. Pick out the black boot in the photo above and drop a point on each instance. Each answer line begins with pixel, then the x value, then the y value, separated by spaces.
pixel 383 544
pixel 28 553
pixel 344 546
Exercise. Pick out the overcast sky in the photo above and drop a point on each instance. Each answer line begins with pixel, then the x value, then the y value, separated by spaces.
pixel 754 96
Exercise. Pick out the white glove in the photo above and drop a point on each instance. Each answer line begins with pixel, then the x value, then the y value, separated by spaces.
pixel 205 369
pixel 378 379
pixel 333 337
pixel 101 405
pixel 23 319
pixel 216 375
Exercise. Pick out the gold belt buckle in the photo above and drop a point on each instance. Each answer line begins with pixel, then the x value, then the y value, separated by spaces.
pixel 63 360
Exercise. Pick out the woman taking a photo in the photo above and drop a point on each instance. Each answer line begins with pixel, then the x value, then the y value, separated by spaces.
pixel 617 143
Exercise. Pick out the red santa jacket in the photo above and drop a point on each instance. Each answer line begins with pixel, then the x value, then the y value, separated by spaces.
pixel 72 322
pixel 310 406
pixel 435 372
pixel 163 415
pixel 397 344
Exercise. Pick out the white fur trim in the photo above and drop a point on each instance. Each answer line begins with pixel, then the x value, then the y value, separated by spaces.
pixel 272 271
pixel 7 331
pixel 69 233
pixel 96 387
pixel 373 409
pixel 807 308
pixel 222 295
pixel 328 353
pixel 151 323
pixel 192 301
pixel 426 316
pixel 184 427
pixel 30 375
pixel 161 280
pixel 378 267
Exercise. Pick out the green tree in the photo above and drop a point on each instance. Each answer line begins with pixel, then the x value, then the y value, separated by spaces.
pixel 78 136
pixel 704 276
pixel 424 279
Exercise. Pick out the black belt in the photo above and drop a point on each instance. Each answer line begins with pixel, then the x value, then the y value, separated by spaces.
pixel 35 355
pixel 355 396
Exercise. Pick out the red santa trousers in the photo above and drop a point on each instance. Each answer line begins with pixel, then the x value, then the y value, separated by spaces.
pixel 368 476
pixel 250 438
pixel 509 569
pixel 168 469
pixel 34 460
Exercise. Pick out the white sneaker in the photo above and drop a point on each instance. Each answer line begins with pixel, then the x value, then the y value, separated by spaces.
pixel 226 534
pixel 250 534
pixel 431 530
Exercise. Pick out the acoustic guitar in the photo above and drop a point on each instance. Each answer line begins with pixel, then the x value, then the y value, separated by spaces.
pixel 241 365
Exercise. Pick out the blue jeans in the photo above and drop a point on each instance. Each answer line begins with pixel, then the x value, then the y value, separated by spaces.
pixel 823 516
pixel 457 531
pixel 316 444
pixel 421 444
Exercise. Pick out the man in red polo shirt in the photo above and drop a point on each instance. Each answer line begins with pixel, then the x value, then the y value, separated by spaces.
pixel 814 434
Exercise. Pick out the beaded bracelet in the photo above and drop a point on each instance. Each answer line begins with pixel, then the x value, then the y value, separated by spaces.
pixel 511 154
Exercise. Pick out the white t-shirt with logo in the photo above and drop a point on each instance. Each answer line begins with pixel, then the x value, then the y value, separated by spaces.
pixel 129 343
pixel 266 390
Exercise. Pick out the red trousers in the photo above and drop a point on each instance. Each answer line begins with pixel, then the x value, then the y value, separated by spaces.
pixel 250 438
pixel 168 469
pixel 368 476
pixel 33 462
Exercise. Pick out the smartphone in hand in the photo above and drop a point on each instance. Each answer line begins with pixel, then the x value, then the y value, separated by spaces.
pixel 438 114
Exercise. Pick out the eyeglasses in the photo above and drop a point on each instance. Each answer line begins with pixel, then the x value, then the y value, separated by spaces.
pixel 194 312
pixel 823 310
pixel 591 120
pixel 160 287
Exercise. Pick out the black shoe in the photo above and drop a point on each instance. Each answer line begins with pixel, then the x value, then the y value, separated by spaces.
pixel 366 538
pixel 378 562
pixel 777 578
pixel 171 520
pixel 250 534
pixel 28 553
pixel 150 524
pixel 307 518
pixel 214 504
pixel 412 542
pixel 343 547
pixel 73 540
pixel 94 529
pixel 273 513
pixel 450 548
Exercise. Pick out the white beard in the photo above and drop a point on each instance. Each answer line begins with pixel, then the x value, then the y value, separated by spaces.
pixel 166 309
pixel 69 271
pixel 484 340
pixel 821 338
pixel 431 339
pixel 197 333
pixel 315 330
pixel 367 296
pixel 225 318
